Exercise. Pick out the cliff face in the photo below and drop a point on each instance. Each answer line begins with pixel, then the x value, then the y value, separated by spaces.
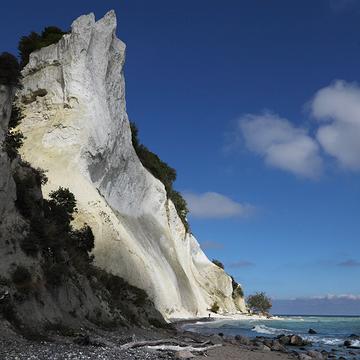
pixel 29 301
pixel 8 215
pixel 77 129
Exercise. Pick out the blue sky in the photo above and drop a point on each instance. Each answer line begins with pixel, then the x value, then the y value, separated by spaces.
pixel 242 98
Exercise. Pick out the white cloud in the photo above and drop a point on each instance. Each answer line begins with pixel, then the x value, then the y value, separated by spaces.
pixel 282 145
pixel 214 205
pixel 338 108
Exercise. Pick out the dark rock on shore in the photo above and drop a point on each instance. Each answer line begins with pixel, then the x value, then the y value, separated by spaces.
pixel 296 340
pixel 277 346
pixel 284 340
pixel 315 355
pixel 243 340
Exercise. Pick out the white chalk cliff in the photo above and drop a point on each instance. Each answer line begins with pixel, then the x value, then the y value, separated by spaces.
pixel 77 128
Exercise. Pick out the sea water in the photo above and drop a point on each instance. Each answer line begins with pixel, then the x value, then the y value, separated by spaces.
pixel 331 331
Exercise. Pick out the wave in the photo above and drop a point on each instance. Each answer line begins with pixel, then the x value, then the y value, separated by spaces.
pixel 263 329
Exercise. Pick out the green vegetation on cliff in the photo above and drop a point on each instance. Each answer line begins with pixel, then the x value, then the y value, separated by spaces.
pixel 9 70
pixel 162 171
pixel 10 76
pixel 34 41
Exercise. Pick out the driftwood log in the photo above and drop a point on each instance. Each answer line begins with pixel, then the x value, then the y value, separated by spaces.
pixel 170 345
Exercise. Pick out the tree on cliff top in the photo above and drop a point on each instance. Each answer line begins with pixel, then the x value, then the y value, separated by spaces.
pixel 9 70
pixel 32 42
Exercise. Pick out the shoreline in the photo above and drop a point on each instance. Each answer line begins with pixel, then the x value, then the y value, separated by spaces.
pixel 157 343
pixel 338 346
pixel 109 345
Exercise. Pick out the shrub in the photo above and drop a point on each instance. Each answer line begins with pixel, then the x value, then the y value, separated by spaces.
pixel 40 176
pixel 237 289
pixel 218 263
pixel 16 116
pixel 34 41
pixel 14 139
pixel 55 273
pixel 215 307
pixel 9 70
pixel 83 239
pixel 21 276
pixel 259 302
pixel 12 143
pixel 26 201
pixel 63 199
pixel 162 171
pixel 60 208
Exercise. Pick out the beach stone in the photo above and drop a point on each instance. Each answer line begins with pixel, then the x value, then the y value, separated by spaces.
pixel 315 354
pixel 243 340
pixel 305 357
pixel 216 339
pixel 296 340
pixel 284 340
pixel 312 331
pixel 325 354
pixel 277 346
pixel 347 343
pixel 268 343
pixel 263 347
pixel 184 354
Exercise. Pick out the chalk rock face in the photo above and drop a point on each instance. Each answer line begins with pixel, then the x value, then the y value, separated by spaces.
pixel 76 128
pixel 10 222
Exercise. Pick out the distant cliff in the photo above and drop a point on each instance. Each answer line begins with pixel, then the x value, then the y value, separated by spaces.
pixel 77 130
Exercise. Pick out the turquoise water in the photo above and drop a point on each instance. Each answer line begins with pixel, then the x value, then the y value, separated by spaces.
pixel 331 331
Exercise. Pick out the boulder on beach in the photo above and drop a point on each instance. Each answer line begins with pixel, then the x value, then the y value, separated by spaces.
pixel 315 355
pixel 296 340
pixel 277 346
pixel 284 340
pixel 184 354
pixel 304 357
pixel 243 340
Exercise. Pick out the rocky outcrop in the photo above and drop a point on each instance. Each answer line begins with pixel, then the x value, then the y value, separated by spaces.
pixel 12 226
pixel 77 129
pixel 8 216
